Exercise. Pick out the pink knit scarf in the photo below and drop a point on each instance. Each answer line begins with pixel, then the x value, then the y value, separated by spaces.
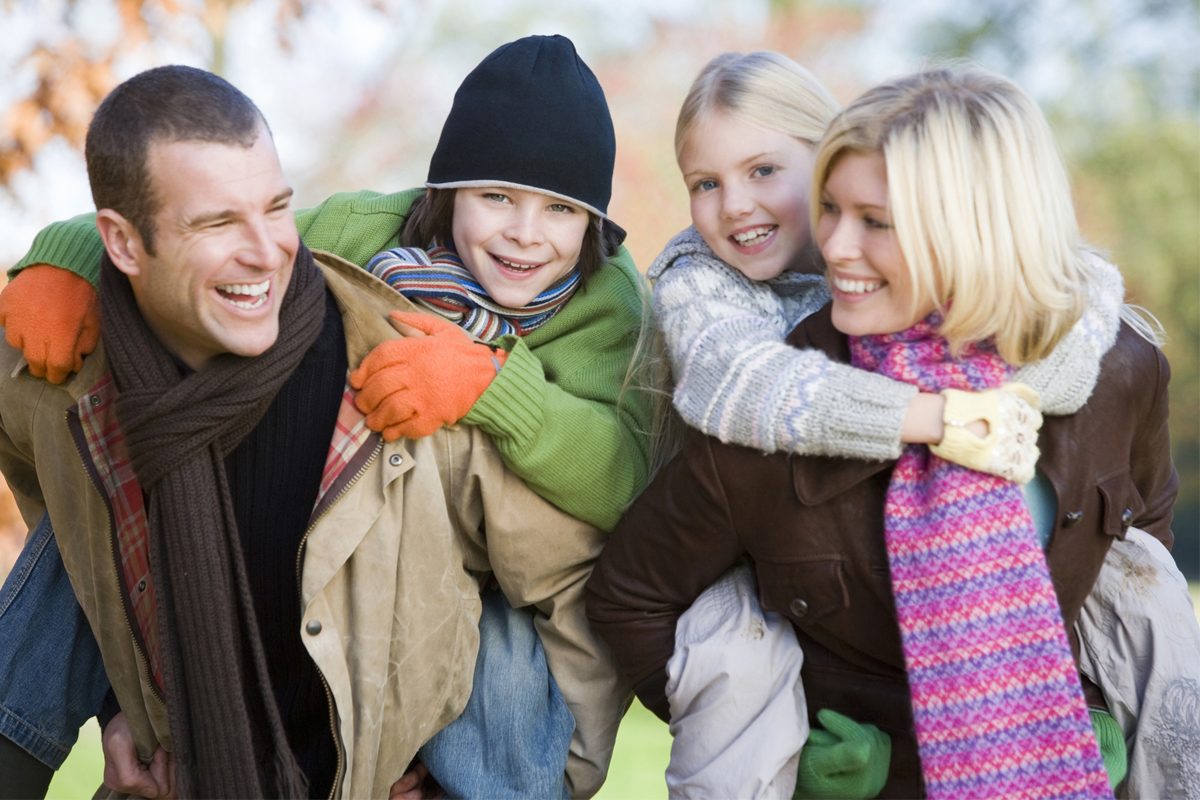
pixel 996 698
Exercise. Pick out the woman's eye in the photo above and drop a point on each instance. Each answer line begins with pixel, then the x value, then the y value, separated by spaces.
pixel 828 207
pixel 879 225
pixel 763 170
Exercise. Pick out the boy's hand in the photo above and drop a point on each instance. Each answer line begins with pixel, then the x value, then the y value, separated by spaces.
pixel 845 759
pixel 52 316
pixel 411 387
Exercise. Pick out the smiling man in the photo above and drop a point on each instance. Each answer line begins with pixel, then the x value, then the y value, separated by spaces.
pixel 282 600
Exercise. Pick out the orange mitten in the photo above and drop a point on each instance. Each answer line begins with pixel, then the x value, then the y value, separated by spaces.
pixel 52 316
pixel 410 387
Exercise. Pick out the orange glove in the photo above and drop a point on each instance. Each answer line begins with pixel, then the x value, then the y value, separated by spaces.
pixel 410 387
pixel 52 316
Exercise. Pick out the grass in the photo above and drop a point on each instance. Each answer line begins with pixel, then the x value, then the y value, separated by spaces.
pixel 640 757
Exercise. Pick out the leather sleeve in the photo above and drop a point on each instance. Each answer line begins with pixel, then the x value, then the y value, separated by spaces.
pixel 1151 467
pixel 675 540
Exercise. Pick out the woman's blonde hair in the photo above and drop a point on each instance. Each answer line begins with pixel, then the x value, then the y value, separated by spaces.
pixel 980 201
pixel 764 88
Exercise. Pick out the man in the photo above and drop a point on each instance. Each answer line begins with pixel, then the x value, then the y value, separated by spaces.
pixel 215 492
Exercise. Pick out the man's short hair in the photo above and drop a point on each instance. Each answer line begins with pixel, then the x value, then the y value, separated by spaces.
pixel 165 104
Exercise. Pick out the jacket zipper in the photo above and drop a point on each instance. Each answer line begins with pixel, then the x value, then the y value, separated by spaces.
pixel 333 728
pixel 90 468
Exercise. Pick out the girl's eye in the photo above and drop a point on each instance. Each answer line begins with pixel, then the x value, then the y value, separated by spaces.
pixel 879 225
pixel 561 208
pixel 495 197
pixel 763 170
pixel 828 207
pixel 704 185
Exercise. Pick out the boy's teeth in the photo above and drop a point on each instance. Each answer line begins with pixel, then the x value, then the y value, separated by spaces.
pixel 856 287
pixel 745 237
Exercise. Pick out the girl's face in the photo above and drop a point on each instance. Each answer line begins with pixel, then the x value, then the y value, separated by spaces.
pixel 872 292
pixel 749 190
pixel 516 243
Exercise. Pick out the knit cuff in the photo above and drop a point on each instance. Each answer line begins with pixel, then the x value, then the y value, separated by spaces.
pixel 863 414
pixel 513 405
pixel 72 244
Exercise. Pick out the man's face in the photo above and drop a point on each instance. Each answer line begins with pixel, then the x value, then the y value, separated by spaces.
pixel 225 241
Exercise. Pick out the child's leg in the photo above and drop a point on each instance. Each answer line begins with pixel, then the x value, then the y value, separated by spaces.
pixel 51 677
pixel 1140 643
pixel 511 740
pixel 738 715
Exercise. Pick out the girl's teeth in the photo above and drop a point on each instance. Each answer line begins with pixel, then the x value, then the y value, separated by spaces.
pixel 856 287
pixel 518 267
pixel 747 237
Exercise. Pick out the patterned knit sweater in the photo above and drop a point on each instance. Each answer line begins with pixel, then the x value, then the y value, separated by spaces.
pixel 735 379
pixel 556 412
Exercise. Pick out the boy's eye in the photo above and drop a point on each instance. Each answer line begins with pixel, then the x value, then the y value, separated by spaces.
pixel 704 185
pixel 763 170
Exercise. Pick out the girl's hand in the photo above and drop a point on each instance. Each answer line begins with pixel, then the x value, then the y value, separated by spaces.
pixel 410 387
pixel 1007 446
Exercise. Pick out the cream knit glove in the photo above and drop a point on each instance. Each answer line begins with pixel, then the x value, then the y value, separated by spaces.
pixel 1013 419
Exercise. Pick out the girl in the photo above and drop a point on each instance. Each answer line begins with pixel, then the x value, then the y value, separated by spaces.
pixel 521 254
pixel 953 255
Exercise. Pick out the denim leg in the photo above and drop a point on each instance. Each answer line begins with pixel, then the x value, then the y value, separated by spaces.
pixel 513 737
pixel 51 677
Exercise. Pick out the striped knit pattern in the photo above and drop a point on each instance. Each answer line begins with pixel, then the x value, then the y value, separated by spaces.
pixel 996 698
pixel 437 280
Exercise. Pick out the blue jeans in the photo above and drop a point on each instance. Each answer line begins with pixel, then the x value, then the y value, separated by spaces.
pixel 513 737
pixel 51 677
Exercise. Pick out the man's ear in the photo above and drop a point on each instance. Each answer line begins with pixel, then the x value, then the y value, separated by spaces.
pixel 121 240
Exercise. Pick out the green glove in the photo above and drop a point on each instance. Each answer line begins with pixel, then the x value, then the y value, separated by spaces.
pixel 845 759
pixel 1112 745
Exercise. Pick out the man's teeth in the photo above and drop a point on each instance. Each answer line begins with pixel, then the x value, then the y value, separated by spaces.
pixel 255 293
pixel 749 236
pixel 516 266
pixel 855 286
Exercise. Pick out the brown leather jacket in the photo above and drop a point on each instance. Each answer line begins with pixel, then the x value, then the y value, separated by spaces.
pixel 813 530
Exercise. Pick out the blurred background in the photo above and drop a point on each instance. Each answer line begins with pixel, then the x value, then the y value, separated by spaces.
pixel 356 92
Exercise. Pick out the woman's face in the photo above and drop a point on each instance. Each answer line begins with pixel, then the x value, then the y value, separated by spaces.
pixel 749 190
pixel 872 292
pixel 517 243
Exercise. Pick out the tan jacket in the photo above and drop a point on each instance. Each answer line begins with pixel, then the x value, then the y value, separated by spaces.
pixel 390 604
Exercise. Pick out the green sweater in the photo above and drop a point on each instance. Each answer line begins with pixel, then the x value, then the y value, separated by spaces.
pixel 556 411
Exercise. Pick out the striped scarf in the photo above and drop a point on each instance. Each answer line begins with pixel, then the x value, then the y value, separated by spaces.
pixel 996 698
pixel 437 280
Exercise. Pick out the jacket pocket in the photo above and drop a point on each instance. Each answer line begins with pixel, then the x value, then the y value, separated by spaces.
pixel 1121 504
pixel 804 591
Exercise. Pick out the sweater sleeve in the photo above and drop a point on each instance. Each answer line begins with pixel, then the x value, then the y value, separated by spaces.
pixel 736 378
pixel 73 244
pixel 1066 377
pixel 560 411
pixel 354 225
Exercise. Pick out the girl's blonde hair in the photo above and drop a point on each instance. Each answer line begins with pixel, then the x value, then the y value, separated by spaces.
pixel 764 88
pixel 980 201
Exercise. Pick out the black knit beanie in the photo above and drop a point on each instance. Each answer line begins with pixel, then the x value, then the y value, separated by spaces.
pixel 530 116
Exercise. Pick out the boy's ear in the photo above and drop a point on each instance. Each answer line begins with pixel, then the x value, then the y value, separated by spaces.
pixel 121 240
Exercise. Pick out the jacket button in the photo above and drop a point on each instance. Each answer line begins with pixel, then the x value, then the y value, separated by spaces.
pixel 798 607
pixel 1071 518
pixel 1126 518
pixel 395 459
pixel 313 627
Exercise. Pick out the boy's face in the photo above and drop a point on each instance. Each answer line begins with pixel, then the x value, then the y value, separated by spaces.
pixel 517 243
pixel 749 190
pixel 225 243
pixel 868 274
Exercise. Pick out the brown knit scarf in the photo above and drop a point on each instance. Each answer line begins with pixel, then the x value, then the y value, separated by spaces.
pixel 228 739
